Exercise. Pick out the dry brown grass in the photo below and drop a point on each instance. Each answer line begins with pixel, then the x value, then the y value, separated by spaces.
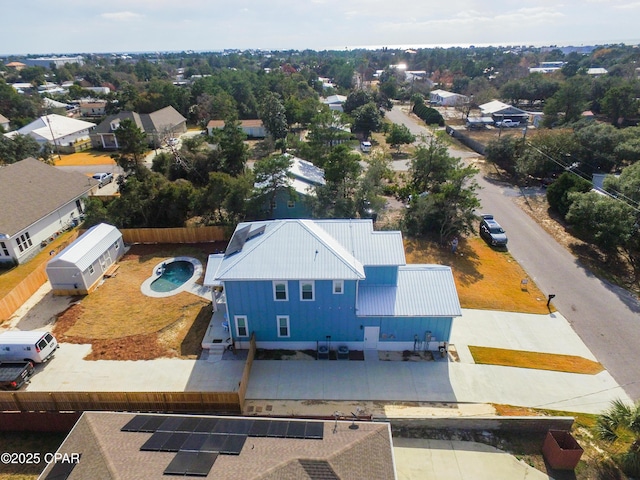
pixel 122 323
pixel 12 277
pixel 486 279
pixel 535 360
pixel 89 157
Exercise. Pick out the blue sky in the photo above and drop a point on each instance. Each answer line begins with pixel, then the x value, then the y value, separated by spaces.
pixel 75 26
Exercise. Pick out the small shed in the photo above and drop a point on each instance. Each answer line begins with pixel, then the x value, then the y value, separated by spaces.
pixel 79 268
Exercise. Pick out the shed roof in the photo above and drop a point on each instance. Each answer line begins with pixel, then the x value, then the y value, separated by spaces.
pixel 87 248
pixel 497 107
pixel 422 290
pixel 30 190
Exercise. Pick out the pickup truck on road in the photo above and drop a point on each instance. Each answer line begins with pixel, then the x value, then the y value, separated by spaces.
pixel 507 123
pixel 14 374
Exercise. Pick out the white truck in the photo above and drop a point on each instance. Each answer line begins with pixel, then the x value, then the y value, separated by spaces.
pixel 507 123
pixel 36 347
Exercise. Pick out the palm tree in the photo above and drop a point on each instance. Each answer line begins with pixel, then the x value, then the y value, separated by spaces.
pixel 621 425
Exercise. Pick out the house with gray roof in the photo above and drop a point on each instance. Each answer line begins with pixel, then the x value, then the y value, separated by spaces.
pixel 110 445
pixel 323 284
pixel 159 126
pixel 37 202
pixel 501 111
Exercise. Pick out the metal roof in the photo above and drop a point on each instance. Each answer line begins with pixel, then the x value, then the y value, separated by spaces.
pixel 288 249
pixel 87 248
pixel 422 291
pixel 371 248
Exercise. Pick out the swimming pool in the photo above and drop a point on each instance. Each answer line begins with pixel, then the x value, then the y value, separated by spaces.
pixel 172 275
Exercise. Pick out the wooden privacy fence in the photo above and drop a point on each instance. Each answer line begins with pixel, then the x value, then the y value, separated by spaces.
pixel 22 292
pixel 181 402
pixel 244 381
pixel 175 235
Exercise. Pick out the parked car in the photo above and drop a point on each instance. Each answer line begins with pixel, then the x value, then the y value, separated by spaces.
pixel 492 232
pixel 28 346
pixel 15 374
pixel 172 142
pixel 104 178
pixel 365 147
pixel 507 123
pixel 367 211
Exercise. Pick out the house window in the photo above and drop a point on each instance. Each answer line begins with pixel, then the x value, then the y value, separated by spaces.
pixel 24 241
pixel 280 291
pixel 307 291
pixel 338 287
pixel 272 204
pixel 291 204
pixel 283 326
pixel 90 269
pixel 5 250
pixel 242 326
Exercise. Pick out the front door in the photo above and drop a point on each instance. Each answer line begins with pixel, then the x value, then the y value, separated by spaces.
pixel 371 335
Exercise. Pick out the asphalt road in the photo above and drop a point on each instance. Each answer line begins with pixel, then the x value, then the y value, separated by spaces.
pixel 606 318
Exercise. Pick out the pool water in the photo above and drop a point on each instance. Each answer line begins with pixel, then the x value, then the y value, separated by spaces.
pixel 173 276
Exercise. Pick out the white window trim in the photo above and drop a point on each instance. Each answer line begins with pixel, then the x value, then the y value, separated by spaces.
pixel 291 204
pixel 313 290
pixel 246 325
pixel 338 283
pixel 286 317
pixel 286 291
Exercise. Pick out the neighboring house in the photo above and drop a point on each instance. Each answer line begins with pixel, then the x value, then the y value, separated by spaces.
pixel 119 445
pixel 66 135
pixel 93 108
pixel 158 126
pixel 335 102
pixel 547 67
pixel 252 128
pixel 304 176
pixel 447 99
pixel 15 65
pixel 597 71
pixel 37 202
pixel 297 284
pixel 4 123
pixel 79 268
pixel 46 62
pixel 501 111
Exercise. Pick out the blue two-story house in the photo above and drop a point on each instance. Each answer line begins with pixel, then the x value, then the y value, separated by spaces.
pixel 299 283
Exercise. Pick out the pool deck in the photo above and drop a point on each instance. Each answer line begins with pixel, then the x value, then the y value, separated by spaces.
pixel 158 270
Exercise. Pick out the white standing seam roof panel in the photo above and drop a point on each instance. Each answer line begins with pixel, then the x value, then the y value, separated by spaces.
pixel 422 291
pixel 213 263
pixel 290 249
pixel 371 248
pixel 87 248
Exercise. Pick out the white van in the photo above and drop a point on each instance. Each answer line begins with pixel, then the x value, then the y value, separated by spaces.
pixel 365 146
pixel 37 347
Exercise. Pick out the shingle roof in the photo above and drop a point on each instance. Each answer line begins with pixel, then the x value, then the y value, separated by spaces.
pixel 109 453
pixel 31 190
pixel 422 290
pixel 158 121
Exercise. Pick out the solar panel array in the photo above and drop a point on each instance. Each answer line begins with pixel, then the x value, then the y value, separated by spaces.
pixel 197 442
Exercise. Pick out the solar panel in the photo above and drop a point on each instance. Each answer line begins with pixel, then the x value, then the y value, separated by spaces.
pixel 314 430
pixel 194 442
pixel 259 428
pixel 135 423
pixel 175 441
pixel 180 463
pixel 242 426
pixel 201 465
pixel 224 425
pixel 296 429
pixel 256 232
pixel 206 425
pixel 237 241
pixel 188 424
pixel 233 445
pixel 61 471
pixel 213 443
pixel 170 424
pixel 152 424
pixel 278 429
pixel 155 442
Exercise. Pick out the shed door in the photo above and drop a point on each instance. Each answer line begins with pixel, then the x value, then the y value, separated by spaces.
pixel 371 335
